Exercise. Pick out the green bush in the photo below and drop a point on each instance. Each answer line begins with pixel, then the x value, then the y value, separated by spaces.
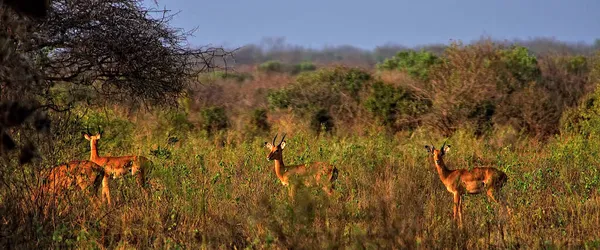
pixel 577 65
pixel 416 64
pixel 584 119
pixel 117 131
pixel 214 119
pixel 395 107
pixel 258 121
pixel 521 63
pixel 272 67
pixel 303 67
pixel 237 76
pixel 321 121
pixel 321 90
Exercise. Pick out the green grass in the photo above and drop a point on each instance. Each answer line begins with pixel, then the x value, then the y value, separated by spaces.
pixel 221 192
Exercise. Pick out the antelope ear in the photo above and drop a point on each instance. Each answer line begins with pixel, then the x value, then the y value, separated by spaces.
pixel 282 145
pixel 86 136
pixel 98 135
pixel 269 145
pixel 446 149
pixel 429 149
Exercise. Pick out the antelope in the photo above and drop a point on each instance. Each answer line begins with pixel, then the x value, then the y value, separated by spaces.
pixel 464 181
pixel 317 170
pixel 82 174
pixel 119 166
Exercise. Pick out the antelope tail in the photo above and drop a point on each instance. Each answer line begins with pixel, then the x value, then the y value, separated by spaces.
pixel 98 180
pixel 334 174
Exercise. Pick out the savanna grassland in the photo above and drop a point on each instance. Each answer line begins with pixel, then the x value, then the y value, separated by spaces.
pixel 211 185
pixel 528 108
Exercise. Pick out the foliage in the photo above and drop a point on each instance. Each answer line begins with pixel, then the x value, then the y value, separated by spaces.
pixel 303 67
pixel 214 119
pixel 275 66
pixel 326 89
pixel 321 121
pixel 258 121
pixel 521 64
pixel 239 77
pixel 396 108
pixel 416 64
pixel 271 67
pixel 132 56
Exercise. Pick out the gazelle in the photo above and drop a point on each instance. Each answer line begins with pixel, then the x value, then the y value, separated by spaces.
pixel 323 173
pixel 464 181
pixel 120 165
pixel 82 174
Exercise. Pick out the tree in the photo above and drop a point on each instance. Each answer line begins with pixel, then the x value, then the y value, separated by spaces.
pixel 117 47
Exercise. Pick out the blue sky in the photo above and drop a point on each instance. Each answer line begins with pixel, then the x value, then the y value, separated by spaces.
pixel 367 24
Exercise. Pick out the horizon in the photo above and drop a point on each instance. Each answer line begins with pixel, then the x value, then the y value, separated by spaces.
pixel 382 22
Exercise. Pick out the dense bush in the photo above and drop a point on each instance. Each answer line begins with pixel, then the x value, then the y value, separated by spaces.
pixel 303 67
pixel 214 119
pixel 321 121
pixel 258 121
pixel 271 67
pixel 521 64
pixel 395 107
pixel 335 90
pixel 416 64
pixel 236 76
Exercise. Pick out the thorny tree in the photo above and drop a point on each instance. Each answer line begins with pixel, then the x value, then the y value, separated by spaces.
pixel 119 49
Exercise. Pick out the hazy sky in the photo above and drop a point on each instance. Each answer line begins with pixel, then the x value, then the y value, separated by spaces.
pixel 366 24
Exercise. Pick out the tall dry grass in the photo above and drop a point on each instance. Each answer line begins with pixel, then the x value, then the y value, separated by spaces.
pixel 221 192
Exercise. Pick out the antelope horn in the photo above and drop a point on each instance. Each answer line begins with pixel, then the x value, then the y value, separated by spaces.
pixel 274 138
pixel 282 138
pixel 443 146
pixel 100 130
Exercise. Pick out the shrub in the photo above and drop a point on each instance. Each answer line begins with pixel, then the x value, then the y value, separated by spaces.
pixel 335 90
pixel 272 67
pixel 462 87
pixel 584 119
pixel 214 119
pixel 416 64
pixel 577 65
pixel 258 121
pixel 117 131
pixel 321 121
pixel 303 67
pixel 521 64
pixel 396 108
pixel 237 76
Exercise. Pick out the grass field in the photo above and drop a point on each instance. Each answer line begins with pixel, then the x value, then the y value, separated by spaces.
pixel 221 192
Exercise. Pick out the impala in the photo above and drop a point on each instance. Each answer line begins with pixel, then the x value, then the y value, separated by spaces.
pixel 119 166
pixel 318 172
pixel 463 181
pixel 82 174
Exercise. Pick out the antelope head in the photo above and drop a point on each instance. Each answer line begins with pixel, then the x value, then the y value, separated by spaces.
pixel 275 152
pixel 88 135
pixel 438 154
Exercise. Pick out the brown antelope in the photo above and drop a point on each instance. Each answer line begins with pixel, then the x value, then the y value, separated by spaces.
pixel 464 181
pixel 82 174
pixel 317 170
pixel 120 165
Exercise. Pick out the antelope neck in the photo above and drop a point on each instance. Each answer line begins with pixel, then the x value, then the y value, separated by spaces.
pixel 440 166
pixel 278 166
pixel 94 150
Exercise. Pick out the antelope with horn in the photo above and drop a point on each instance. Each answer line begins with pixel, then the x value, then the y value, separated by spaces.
pixel 119 166
pixel 319 172
pixel 464 181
